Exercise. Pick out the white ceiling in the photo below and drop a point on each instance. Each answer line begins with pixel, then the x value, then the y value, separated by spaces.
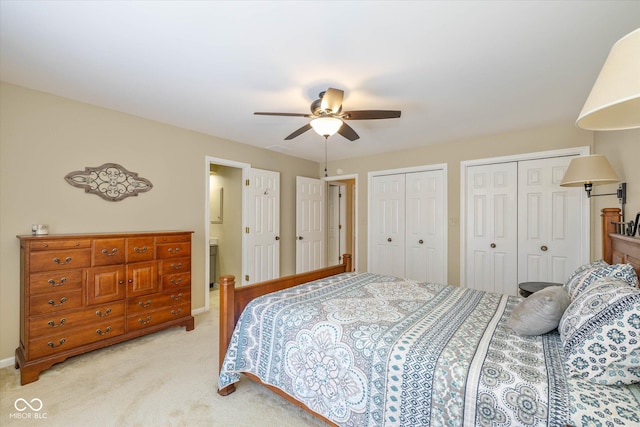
pixel 456 69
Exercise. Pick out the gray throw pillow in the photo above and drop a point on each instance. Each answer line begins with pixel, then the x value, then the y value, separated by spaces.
pixel 540 313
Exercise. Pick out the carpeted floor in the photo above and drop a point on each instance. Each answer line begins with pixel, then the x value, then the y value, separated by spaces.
pixel 165 379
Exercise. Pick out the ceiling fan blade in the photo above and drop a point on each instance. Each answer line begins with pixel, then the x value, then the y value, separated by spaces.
pixel 284 114
pixel 348 132
pixel 332 100
pixel 371 114
pixel 300 131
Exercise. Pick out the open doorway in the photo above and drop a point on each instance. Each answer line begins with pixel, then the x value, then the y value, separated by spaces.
pixel 223 208
pixel 341 218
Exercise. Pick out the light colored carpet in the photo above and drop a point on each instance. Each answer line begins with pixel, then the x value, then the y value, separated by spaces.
pixel 165 379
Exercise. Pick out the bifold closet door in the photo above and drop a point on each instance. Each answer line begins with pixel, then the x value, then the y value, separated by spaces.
pixel 549 221
pixel 388 225
pixel 491 222
pixel 424 231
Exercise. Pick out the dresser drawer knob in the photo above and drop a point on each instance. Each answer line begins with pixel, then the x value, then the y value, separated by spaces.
pixel 53 324
pixel 113 252
pixel 176 297
pixel 145 322
pixel 144 304
pixel 105 332
pixel 67 260
pixel 52 345
pixel 174 251
pixel 60 283
pixel 176 282
pixel 177 312
pixel 54 304
pixel 105 314
pixel 140 250
pixel 177 266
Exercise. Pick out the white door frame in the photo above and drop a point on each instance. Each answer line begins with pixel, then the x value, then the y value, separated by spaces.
pixel 208 162
pixel 354 257
pixel 445 201
pixel 464 165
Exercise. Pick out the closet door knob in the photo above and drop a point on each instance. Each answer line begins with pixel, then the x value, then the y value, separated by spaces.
pixel 421 241
pixel 277 237
pixel 493 245
pixel 299 237
pixel 543 248
pixel 389 239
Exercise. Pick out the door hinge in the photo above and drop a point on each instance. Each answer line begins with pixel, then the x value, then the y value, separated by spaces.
pixel 246 230
pixel 246 278
pixel 339 195
pixel 246 182
pixel 340 227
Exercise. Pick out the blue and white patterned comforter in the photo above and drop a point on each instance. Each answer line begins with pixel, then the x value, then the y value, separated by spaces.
pixel 370 350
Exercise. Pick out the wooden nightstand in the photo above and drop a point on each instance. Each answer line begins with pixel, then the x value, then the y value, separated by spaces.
pixel 527 288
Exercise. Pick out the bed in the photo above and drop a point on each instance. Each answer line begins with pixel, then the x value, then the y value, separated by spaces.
pixel 358 349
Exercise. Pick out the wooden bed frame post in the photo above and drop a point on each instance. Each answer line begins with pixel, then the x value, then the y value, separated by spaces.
pixel 609 216
pixel 227 322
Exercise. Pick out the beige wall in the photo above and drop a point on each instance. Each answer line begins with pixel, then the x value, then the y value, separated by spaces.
pixel 44 137
pixel 622 148
pixel 532 140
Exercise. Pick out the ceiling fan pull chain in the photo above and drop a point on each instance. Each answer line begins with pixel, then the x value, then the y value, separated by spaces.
pixel 326 138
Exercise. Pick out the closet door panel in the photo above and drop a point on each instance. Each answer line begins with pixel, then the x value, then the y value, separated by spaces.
pixel 548 220
pixel 492 228
pixel 425 226
pixel 388 225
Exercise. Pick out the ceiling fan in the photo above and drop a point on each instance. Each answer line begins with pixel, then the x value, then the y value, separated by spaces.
pixel 328 117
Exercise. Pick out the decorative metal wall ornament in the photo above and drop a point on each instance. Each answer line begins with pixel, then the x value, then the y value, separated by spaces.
pixel 110 181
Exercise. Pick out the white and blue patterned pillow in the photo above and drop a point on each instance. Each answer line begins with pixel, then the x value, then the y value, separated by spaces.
pixel 582 278
pixel 600 333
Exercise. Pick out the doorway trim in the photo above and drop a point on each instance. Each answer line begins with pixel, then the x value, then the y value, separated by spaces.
pixel 354 259
pixel 209 160
pixel 465 164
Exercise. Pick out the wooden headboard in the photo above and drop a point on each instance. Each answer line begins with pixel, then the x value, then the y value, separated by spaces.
pixel 618 248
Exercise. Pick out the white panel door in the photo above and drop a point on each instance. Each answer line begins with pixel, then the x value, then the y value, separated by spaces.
pixel 262 226
pixel 425 227
pixel 387 238
pixel 491 254
pixel 549 222
pixel 311 236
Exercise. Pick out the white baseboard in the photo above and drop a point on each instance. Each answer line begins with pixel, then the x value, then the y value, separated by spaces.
pixel 7 362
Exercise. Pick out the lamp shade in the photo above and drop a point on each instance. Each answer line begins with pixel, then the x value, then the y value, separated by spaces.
pixel 593 169
pixel 614 101
pixel 326 126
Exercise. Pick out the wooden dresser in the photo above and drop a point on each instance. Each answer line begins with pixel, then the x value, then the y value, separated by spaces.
pixel 81 292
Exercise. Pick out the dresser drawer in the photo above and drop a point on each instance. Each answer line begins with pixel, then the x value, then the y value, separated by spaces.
pixel 59 259
pixel 140 249
pixel 59 323
pixel 55 281
pixel 47 245
pixel 108 251
pixel 147 303
pixel 151 318
pixel 178 265
pixel 52 303
pixel 173 238
pixel 173 250
pixel 73 338
pixel 175 281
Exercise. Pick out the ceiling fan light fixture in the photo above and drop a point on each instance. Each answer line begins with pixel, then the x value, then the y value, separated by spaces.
pixel 326 126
